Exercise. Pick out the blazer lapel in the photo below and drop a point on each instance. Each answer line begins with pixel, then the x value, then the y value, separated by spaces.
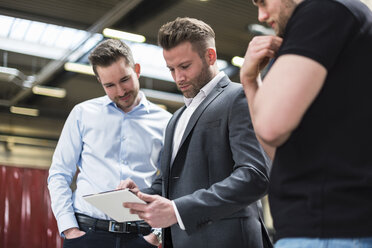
pixel 169 134
pixel 168 147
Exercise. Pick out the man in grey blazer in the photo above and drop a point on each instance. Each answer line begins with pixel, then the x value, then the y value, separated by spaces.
pixel 213 168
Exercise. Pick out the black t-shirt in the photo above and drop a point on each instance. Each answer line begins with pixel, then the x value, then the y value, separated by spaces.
pixel 321 180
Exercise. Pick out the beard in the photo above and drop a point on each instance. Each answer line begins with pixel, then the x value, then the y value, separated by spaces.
pixel 287 9
pixel 128 103
pixel 197 83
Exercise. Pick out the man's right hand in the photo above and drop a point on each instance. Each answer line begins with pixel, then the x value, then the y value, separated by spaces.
pixel 73 233
pixel 128 183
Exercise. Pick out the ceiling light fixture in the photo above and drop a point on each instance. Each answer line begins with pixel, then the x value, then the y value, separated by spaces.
pixel 24 111
pixel 79 68
pixel 258 29
pixel 111 33
pixel 237 61
pixel 49 91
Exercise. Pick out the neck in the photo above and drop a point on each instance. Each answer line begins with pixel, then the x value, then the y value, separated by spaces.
pixel 214 70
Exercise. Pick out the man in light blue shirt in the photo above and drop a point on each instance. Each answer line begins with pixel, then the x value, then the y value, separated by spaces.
pixel 109 138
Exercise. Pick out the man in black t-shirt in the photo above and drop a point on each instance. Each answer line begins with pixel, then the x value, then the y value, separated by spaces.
pixel 314 112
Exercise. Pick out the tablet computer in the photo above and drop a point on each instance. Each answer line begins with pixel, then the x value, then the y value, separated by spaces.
pixel 111 203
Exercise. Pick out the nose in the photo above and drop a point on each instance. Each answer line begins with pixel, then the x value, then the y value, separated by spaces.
pixel 178 76
pixel 262 15
pixel 121 91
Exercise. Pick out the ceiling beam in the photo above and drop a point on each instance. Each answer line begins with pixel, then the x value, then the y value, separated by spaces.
pixel 111 17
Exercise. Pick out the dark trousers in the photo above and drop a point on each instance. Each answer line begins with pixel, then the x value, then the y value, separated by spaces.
pixel 94 238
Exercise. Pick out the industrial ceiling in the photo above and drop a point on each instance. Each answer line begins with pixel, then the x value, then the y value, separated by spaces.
pixel 229 18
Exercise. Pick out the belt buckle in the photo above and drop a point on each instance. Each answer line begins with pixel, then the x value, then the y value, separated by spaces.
pixel 117 227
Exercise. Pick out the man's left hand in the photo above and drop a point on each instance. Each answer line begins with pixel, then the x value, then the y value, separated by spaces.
pixel 158 212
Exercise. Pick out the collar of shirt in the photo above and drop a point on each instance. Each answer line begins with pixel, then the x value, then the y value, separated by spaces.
pixel 206 89
pixel 143 103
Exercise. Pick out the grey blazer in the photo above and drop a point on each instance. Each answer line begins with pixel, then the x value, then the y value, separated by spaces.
pixel 217 175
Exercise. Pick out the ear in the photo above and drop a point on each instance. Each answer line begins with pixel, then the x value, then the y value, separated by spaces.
pixel 211 56
pixel 137 69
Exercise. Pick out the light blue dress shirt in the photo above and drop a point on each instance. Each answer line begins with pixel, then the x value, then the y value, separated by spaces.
pixel 107 145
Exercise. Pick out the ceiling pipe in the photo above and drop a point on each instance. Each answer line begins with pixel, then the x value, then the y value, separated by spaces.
pixel 111 17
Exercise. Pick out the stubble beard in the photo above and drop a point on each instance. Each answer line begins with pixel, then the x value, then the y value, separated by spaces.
pixel 200 81
pixel 284 15
pixel 131 101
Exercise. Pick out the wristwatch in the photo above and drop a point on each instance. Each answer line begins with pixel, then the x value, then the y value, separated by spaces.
pixel 157 232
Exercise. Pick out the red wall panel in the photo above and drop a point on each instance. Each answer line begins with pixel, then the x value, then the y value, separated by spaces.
pixel 26 219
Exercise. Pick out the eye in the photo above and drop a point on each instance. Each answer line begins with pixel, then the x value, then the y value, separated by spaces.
pixel 259 2
pixel 184 67
pixel 124 79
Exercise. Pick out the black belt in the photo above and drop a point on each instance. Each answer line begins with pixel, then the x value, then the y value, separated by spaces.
pixel 138 227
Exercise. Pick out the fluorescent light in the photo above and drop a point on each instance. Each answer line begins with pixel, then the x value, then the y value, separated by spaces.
pixel 49 91
pixel 258 29
pixel 111 33
pixel 24 111
pixel 237 61
pixel 79 68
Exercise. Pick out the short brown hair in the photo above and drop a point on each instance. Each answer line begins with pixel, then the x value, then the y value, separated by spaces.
pixel 108 52
pixel 197 32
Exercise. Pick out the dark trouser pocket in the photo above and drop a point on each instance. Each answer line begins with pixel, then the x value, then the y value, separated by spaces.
pixel 76 242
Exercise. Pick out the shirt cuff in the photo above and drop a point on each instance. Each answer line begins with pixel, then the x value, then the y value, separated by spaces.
pixel 65 222
pixel 179 220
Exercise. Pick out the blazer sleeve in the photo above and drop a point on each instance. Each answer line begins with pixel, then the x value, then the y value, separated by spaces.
pixel 247 183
